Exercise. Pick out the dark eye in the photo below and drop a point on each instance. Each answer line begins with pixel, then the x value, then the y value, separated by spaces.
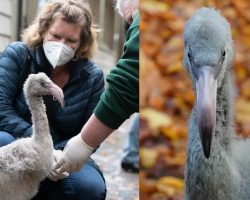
pixel 43 83
pixel 223 55
pixel 71 41
pixel 190 57
pixel 56 36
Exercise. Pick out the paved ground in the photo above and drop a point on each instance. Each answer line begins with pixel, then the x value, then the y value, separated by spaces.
pixel 120 185
pixel 105 59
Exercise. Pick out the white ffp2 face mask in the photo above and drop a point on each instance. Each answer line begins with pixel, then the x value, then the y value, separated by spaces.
pixel 58 53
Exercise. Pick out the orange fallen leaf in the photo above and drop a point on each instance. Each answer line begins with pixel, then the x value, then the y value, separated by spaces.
pixel 156 119
pixel 148 157
pixel 170 185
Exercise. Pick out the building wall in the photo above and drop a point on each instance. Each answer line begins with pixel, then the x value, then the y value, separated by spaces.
pixel 112 32
pixel 8 21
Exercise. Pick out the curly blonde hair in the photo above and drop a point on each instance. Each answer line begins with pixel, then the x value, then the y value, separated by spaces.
pixel 72 11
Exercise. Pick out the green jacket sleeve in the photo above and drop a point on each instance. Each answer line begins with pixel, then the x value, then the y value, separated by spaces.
pixel 121 98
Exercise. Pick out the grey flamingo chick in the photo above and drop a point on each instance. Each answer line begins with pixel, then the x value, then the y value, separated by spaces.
pixel 218 163
pixel 27 161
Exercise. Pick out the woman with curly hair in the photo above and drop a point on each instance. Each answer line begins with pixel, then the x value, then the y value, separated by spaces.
pixel 59 42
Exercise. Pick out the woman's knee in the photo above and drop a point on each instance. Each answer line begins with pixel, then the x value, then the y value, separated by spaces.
pixel 92 189
pixel 89 184
pixel 5 138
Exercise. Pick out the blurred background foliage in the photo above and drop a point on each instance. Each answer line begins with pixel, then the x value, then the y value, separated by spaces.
pixel 166 95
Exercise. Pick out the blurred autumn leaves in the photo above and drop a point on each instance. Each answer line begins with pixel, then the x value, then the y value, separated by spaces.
pixel 166 96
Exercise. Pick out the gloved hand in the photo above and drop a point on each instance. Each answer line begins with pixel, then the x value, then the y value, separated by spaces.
pixel 55 175
pixel 75 154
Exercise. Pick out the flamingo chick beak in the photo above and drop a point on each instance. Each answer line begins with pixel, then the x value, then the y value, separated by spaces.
pixel 57 93
pixel 206 91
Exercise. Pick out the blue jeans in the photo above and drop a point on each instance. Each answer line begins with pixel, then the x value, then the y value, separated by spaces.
pixel 131 152
pixel 5 138
pixel 87 184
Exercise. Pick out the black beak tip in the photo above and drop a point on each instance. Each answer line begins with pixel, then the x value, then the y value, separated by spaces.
pixel 207 154
pixel 206 148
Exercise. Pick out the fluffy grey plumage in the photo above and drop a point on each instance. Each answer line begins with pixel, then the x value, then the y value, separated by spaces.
pixel 225 174
pixel 27 161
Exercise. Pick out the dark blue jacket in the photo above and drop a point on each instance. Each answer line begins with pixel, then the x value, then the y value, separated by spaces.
pixel 81 94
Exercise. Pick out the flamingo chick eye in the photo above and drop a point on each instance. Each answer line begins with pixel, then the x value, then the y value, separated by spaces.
pixel 223 55
pixel 190 57
pixel 43 83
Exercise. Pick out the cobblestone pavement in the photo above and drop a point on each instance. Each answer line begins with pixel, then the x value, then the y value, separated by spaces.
pixel 120 185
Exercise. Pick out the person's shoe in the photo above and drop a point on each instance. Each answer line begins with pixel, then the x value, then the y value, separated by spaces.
pixel 130 167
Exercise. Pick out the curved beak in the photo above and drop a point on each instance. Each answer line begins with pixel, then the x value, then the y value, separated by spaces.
pixel 206 91
pixel 57 93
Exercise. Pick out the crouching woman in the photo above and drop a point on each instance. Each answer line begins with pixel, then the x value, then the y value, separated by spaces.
pixel 59 43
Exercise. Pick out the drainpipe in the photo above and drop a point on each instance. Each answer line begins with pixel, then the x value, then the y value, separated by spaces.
pixel 19 19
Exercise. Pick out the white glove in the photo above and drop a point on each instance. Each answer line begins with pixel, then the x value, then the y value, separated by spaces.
pixel 55 175
pixel 75 154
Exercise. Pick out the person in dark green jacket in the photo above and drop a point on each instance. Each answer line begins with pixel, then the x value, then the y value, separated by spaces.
pixel 118 102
